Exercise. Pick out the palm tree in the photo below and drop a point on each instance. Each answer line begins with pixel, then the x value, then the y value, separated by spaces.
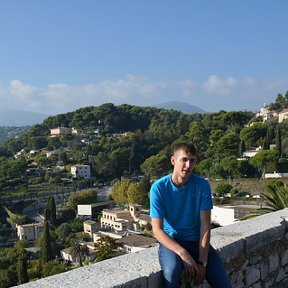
pixel 104 248
pixel 78 251
pixel 276 199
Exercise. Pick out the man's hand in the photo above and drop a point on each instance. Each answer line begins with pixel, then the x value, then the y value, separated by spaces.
pixel 201 275
pixel 191 268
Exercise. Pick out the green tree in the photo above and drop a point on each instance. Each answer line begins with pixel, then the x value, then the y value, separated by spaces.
pixel 223 188
pixel 63 231
pixel 204 167
pixel 53 267
pixel 46 248
pixel 14 218
pixel 54 143
pixel 276 198
pixel 22 270
pixel 242 148
pixel 65 215
pixel 104 248
pixel 119 192
pixel 230 166
pixel 37 142
pixel 279 141
pixel 88 196
pixel 136 194
pixel 262 159
pixel 6 278
pixel 198 134
pixel 79 251
pixel 253 135
pixel 227 146
pixel 50 211
pixel 157 165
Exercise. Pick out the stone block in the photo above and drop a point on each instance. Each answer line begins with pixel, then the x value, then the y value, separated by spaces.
pixel 273 262
pixel 252 275
pixel 255 259
pixel 264 269
pixel 284 258
pixel 257 285
pixel 237 278
pixel 281 276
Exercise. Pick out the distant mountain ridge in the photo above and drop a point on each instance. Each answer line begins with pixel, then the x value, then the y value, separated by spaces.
pixel 18 118
pixel 181 106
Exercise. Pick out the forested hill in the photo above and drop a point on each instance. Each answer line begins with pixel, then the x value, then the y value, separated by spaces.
pixel 126 139
pixel 115 119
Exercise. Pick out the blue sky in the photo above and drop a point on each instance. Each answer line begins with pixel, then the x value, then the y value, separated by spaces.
pixel 59 55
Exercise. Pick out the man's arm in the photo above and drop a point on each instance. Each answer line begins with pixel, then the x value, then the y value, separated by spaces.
pixel 205 231
pixel 190 266
pixel 204 242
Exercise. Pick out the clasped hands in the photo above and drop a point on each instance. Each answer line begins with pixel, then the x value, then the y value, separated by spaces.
pixel 192 271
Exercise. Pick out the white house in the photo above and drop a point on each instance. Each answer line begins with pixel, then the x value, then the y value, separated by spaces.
pixel 283 115
pixel 59 131
pixel 266 114
pixel 251 152
pixel 116 219
pixel 90 211
pixel 90 226
pixel 68 255
pixel 133 243
pixel 123 219
pixel 30 232
pixel 83 171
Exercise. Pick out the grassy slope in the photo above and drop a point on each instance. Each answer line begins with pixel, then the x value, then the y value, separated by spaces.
pixel 253 186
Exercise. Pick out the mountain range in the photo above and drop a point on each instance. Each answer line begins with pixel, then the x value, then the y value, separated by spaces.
pixel 181 106
pixel 18 118
pixel 15 117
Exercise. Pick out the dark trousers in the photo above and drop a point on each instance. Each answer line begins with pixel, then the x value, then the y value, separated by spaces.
pixel 172 266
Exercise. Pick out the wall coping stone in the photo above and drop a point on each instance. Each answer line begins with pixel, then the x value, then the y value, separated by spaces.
pixel 141 269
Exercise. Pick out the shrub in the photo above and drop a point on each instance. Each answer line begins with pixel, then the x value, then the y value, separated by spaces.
pixel 223 188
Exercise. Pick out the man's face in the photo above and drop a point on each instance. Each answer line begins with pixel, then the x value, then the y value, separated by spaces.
pixel 183 163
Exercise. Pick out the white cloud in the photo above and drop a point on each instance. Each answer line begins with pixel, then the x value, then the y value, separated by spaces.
pixel 215 94
pixel 214 84
pixel 18 94
pixel 21 89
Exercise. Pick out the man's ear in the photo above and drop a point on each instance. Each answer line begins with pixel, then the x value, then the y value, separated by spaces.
pixel 173 160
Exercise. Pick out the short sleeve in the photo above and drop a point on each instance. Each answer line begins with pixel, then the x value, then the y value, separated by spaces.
pixel 206 197
pixel 156 202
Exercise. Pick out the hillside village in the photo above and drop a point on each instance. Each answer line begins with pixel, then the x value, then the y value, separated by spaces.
pixel 125 226
pixel 97 225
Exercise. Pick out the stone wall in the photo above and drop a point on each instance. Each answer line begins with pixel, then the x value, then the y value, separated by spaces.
pixel 255 253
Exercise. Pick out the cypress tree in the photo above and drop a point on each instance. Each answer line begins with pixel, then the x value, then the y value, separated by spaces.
pixel 241 148
pixel 50 211
pixel 270 134
pixel 265 144
pixel 279 141
pixel 22 270
pixel 46 248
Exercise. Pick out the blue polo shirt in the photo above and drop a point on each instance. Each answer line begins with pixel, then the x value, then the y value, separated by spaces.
pixel 180 207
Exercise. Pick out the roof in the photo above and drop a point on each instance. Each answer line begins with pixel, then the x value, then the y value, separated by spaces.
pixel 69 250
pixel 136 241
pixel 127 217
pixel 145 217
pixel 90 222
pixel 33 249
pixel 31 225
